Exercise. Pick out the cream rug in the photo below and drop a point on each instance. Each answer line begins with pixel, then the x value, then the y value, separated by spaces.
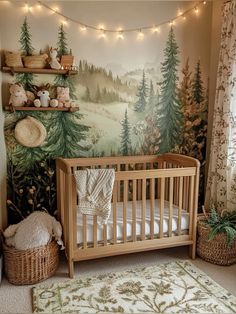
pixel 176 287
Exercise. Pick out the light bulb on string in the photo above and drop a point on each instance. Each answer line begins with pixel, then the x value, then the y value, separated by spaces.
pixel 120 34
pixel 171 23
pixel 65 22
pixel 103 33
pixel 204 2
pixel 156 29
pixel 140 34
pixel 26 7
pixel 196 10
pixel 83 28
pixel 39 6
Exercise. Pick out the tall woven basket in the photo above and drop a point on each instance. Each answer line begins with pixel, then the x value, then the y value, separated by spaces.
pixel 30 266
pixel 215 251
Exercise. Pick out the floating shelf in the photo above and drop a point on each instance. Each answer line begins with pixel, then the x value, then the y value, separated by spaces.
pixel 71 109
pixel 14 70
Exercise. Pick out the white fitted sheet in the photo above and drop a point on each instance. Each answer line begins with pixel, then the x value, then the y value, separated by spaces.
pixel 119 220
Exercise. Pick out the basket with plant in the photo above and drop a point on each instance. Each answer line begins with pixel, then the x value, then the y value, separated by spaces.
pixel 217 237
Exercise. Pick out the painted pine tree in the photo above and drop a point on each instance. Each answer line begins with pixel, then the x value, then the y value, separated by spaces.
pixel 65 132
pixel 151 98
pixel 185 97
pixel 26 48
pixel 197 85
pixel 62 46
pixel 169 115
pixel 64 80
pixel 141 103
pixel 126 148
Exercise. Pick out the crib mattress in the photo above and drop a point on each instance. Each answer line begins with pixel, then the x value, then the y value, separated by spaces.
pixel 119 220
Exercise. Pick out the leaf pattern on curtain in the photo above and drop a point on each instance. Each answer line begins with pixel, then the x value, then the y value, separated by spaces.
pixel 221 184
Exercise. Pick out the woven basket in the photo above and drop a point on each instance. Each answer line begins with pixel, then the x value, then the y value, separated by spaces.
pixel 36 61
pixel 30 266
pixel 215 251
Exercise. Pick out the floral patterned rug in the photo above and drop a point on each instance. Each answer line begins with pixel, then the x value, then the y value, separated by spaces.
pixel 176 287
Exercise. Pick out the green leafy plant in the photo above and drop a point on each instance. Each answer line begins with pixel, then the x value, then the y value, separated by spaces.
pixel 222 223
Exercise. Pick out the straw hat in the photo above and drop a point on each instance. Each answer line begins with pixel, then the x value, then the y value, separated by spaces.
pixel 30 132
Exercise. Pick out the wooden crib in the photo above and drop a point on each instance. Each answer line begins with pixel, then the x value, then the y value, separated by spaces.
pixel 153 197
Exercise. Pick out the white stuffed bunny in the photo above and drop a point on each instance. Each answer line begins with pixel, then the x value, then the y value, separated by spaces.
pixel 37 229
pixel 54 64
pixel 44 98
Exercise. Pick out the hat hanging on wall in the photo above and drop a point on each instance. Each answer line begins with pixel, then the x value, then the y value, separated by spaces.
pixel 30 132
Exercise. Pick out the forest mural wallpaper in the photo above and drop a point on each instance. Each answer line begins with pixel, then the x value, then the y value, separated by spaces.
pixel 143 111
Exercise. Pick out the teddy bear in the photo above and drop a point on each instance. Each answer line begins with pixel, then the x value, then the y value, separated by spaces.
pixel 36 230
pixel 54 64
pixel 18 95
pixel 63 97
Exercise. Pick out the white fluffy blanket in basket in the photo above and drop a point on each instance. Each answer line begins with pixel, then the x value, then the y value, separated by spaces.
pixel 39 228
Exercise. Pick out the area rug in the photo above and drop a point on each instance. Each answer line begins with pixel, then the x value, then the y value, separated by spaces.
pixel 176 287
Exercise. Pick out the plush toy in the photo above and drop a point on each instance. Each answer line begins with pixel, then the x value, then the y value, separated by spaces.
pixel 30 98
pixel 54 64
pixel 44 98
pixel 63 97
pixel 18 95
pixel 37 229
pixel 54 103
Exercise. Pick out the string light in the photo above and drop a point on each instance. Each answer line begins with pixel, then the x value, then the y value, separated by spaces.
pixel 140 34
pixel 65 22
pixel 83 28
pixel 156 29
pixel 120 33
pixel 103 33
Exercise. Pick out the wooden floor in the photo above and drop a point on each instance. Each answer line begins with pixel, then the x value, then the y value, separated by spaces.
pixel 17 299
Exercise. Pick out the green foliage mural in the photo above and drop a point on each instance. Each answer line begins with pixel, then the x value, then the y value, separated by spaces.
pixel 26 79
pixel 143 111
pixel 169 115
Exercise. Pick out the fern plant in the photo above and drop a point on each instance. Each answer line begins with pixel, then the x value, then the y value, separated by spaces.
pixel 222 223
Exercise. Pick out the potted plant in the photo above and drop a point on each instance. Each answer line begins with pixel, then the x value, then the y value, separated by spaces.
pixel 217 237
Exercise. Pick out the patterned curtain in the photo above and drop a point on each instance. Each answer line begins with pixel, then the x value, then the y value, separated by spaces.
pixel 221 184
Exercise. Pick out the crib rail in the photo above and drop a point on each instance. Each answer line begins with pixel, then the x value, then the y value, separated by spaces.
pixel 168 179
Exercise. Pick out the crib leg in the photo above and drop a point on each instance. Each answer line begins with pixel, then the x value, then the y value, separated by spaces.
pixel 71 268
pixel 192 251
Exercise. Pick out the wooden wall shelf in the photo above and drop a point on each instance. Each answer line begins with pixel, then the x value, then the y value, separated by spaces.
pixel 71 109
pixel 14 70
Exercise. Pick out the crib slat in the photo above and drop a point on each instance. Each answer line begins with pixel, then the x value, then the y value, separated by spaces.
pixel 162 207
pixel 105 234
pixel 116 190
pixel 191 196
pixel 134 210
pixel 118 185
pixel 143 217
pixel 84 231
pixel 171 191
pixel 95 230
pixel 125 210
pixel 152 197
pixel 180 204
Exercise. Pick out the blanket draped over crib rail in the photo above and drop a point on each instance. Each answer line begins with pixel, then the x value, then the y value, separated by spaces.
pixel 94 187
